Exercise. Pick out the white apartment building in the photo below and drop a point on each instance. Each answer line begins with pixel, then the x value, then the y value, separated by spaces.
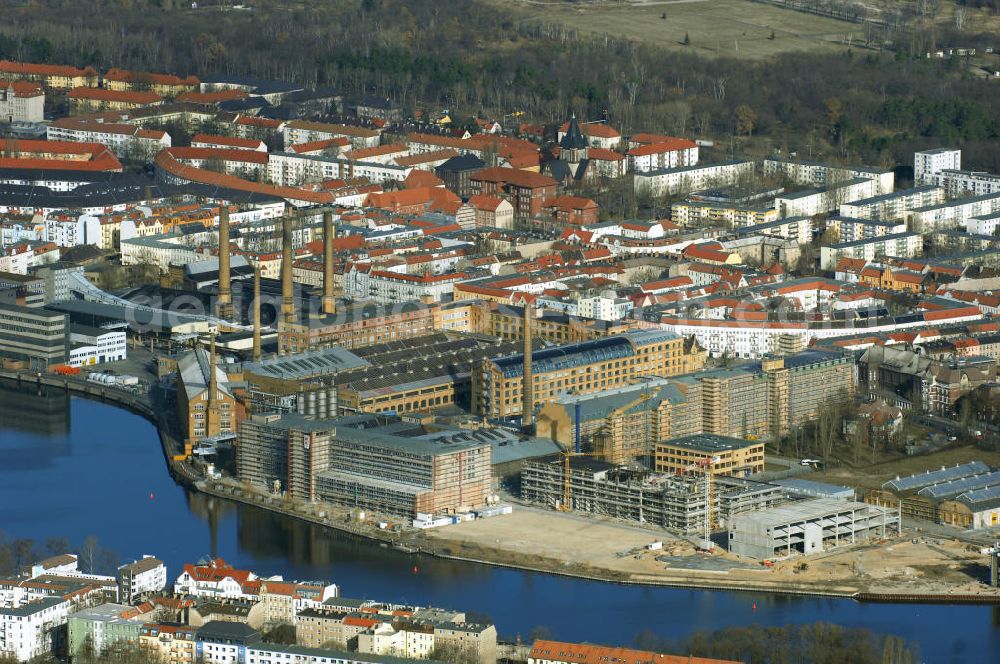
pixel 125 140
pixel 28 630
pixel 287 169
pixel 146 575
pixel 16 258
pixel 985 225
pixel 898 245
pixel 952 214
pixel 851 230
pixel 408 641
pixel 604 307
pixel 799 229
pixel 304 131
pixel 676 153
pixel 815 174
pixel 69 228
pixel 385 287
pixel 21 101
pixel 967 183
pixel 810 202
pixel 690 178
pixel 159 250
pixel 928 163
pixel 894 205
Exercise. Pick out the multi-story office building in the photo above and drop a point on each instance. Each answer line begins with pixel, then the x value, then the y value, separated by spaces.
pixel 284 452
pixel 36 335
pixel 724 454
pixel 395 475
pixel 582 368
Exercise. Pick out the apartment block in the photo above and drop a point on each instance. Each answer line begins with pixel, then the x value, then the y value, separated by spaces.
pixel 585 367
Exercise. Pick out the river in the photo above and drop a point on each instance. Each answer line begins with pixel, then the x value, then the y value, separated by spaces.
pixel 73 467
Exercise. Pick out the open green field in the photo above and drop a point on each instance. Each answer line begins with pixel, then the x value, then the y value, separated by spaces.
pixel 732 28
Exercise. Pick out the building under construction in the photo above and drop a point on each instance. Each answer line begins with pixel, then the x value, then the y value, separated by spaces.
pixel 674 502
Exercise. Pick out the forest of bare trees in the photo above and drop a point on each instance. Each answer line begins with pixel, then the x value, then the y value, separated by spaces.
pixel 473 58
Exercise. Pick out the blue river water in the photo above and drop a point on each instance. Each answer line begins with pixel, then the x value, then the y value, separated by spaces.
pixel 72 468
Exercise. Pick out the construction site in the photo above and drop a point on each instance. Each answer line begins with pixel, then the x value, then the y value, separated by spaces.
pixel 674 502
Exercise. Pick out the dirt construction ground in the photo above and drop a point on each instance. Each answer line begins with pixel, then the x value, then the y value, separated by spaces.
pixel 603 548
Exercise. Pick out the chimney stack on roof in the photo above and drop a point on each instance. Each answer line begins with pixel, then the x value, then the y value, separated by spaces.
pixel 528 401
pixel 329 305
pixel 256 313
pixel 224 306
pixel 287 301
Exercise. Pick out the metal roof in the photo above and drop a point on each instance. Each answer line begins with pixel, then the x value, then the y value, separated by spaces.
pixel 920 480
pixel 952 488
pixel 981 499
pixel 308 364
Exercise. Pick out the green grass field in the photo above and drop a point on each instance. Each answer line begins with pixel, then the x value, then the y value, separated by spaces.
pixel 730 28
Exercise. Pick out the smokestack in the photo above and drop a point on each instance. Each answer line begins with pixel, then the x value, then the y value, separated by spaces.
pixel 211 420
pixel 527 400
pixel 287 301
pixel 224 307
pixel 256 313
pixel 329 306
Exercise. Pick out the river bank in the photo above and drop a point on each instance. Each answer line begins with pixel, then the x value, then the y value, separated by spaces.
pixel 584 547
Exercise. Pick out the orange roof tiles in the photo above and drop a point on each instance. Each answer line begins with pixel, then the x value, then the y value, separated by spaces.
pixel 234 141
pixel 485 202
pixel 571 203
pixel 225 154
pixel 595 129
pixel 670 145
pixel 126 76
pixel 513 176
pixel 32 69
pixel 319 146
pixel 582 653
pixel 39 155
pixel 418 178
pixel 603 154
pixel 23 88
pixel 102 94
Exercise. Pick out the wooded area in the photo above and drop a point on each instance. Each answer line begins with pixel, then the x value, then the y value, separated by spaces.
pixel 473 58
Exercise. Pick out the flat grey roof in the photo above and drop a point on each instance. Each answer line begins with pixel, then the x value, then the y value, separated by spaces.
pixel 805 510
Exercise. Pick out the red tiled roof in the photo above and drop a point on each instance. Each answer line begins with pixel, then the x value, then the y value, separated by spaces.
pixel 513 176
pixel 234 141
pixel 32 69
pixel 485 202
pixel 225 154
pixel 670 145
pixel 102 94
pixel 101 157
pixel 595 129
pixel 582 653
pixel 23 88
pixel 126 76
pixel 604 154
pixel 571 203
pixel 418 178
pixel 317 146
pixel 166 161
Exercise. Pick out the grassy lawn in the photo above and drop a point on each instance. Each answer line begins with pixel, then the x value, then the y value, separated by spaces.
pixel 735 28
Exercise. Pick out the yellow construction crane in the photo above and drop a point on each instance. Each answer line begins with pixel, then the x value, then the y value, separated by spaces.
pixel 565 506
pixel 705 465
